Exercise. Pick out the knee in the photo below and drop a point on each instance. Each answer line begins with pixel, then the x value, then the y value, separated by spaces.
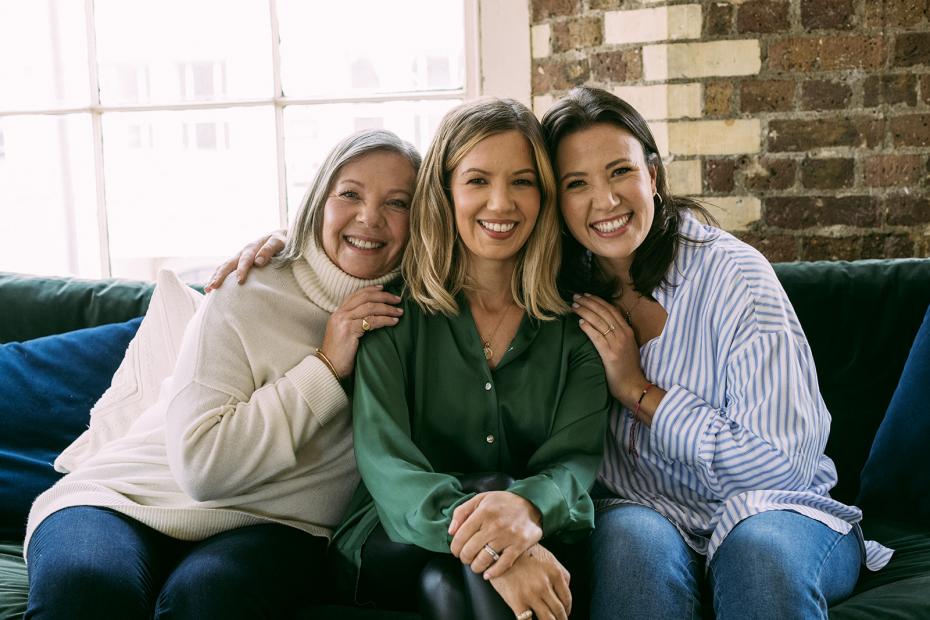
pixel 82 584
pixel 635 530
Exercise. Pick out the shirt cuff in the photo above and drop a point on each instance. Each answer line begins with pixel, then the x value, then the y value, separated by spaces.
pixel 319 388
pixel 543 493
pixel 679 426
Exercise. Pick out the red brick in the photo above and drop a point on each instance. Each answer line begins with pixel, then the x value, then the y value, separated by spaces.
pixel 803 135
pixel 828 173
pixel 577 33
pixel 776 248
pixel 894 170
pixel 717 98
pixel 619 66
pixel 794 54
pixel 825 95
pixel 901 13
pixel 766 96
pixel 555 74
pixel 911 130
pixel 912 48
pixel 762 16
pixel 880 245
pixel 810 211
pixel 718 18
pixel 831 248
pixel 613 5
pixel 907 210
pixel 890 89
pixel 834 53
pixel 544 9
pixel 718 174
pixel 827 14
pixel 770 173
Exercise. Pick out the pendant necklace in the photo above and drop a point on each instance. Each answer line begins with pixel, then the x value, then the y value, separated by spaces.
pixel 486 343
pixel 628 314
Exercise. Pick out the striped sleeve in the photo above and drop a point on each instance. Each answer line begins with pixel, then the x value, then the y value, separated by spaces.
pixel 769 434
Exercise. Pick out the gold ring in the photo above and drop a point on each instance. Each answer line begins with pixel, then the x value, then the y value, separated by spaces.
pixel 366 326
pixel 525 615
pixel 495 556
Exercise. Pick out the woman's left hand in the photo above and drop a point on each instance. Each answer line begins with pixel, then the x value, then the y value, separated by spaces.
pixel 503 521
pixel 616 344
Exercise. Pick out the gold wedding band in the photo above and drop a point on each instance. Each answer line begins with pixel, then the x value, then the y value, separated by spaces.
pixel 525 615
pixel 495 556
pixel 366 326
pixel 609 329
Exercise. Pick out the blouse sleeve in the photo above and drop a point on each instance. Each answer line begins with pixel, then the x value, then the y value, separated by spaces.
pixel 414 502
pixel 772 428
pixel 565 465
pixel 225 433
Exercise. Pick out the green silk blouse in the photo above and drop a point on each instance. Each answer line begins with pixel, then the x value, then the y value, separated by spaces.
pixel 427 407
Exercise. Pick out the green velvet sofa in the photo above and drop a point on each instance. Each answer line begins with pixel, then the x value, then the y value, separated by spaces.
pixel 860 317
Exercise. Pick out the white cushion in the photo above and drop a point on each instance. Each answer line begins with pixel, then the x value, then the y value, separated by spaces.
pixel 150 360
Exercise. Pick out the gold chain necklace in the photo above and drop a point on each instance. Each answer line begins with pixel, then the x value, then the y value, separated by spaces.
pixel 486 342
pixel 628 314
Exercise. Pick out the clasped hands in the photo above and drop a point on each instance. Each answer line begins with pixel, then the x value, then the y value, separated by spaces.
pixel 525 574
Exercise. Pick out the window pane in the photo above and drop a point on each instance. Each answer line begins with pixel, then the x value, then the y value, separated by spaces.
pixel 371 46
pixel 311 131
pixel 43 54
pixel 47 196
pixel 177 50
pixel 185 189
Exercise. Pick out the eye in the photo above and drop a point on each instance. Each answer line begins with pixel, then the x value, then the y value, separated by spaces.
pixel 574 184
pixel 397 204
pixel 476 181
pixel 619 170
pixel 524 182
pixel 351 194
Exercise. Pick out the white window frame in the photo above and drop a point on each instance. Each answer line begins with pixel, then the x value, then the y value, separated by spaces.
pixel 497 61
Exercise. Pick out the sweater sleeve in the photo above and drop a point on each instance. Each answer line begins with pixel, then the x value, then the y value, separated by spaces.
pixel 770 432
pixel 414 502
pixel 226 431
pixel 565 465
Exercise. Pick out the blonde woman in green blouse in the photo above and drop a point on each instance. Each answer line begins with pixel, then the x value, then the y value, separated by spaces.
pixel 482 374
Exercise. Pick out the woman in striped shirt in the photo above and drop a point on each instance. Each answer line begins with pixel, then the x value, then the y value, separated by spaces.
pixel 715 478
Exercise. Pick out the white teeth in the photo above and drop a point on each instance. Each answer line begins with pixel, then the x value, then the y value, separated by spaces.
pixel 496 227
pixel 612 225
pixel 364 245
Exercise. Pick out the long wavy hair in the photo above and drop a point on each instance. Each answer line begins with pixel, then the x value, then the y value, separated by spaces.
pixel 581 273
pixel 309 221
pixel 435 265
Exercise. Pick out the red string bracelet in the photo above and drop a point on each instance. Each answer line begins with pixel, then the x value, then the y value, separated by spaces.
pixel 634 427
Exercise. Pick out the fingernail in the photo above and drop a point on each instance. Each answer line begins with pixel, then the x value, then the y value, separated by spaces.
pixel 587 294
pixel 453 525
pixel 400 311
pixel 576 296
pixel 487 577
pixel 581 321
pixel 395 319
pixel 575 306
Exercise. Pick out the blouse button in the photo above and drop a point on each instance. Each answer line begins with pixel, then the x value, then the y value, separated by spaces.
pixel 487 386
pixel 489 439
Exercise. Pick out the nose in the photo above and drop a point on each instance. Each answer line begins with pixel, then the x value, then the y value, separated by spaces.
pixel 606 198
pixel 500 199
pixel 370 213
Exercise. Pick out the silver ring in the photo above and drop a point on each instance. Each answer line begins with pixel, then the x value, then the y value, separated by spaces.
pixel 525 615
pixel 495 556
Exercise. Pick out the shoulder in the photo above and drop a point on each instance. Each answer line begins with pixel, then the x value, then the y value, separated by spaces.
pixel 267 289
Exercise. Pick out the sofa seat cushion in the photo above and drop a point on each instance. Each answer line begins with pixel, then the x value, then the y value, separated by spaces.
pixel 47 388
pixel 900 589
pixel 14 582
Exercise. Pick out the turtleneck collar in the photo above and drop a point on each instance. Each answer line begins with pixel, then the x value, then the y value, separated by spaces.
pixel 326 284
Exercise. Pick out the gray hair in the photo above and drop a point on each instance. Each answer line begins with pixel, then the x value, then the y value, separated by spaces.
pixel 309 220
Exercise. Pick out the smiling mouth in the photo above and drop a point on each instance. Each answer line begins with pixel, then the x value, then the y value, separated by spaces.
pixel 609 226
pixel 497 227
pixel 364 244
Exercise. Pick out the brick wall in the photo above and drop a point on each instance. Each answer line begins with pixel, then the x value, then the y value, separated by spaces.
pixel 805 122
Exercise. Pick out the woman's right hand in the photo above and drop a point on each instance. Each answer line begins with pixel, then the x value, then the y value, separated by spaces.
pixel 344 328
pixel 257 253
pixel 536 582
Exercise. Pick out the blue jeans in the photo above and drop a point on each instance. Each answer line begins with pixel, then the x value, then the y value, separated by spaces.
pixel 776 564
pixel 87 562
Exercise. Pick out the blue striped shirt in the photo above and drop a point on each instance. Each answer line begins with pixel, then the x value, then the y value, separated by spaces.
pixel 742 427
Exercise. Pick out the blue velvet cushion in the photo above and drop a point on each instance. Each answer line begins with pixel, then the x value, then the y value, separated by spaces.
pixel 897 473
pixel 47 388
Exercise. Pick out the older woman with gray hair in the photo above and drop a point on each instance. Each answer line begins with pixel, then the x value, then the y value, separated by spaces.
pixel 220 501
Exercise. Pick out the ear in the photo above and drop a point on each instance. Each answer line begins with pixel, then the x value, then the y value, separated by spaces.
pixel 653 176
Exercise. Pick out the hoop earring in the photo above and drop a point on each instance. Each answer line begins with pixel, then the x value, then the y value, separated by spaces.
pixel 656 195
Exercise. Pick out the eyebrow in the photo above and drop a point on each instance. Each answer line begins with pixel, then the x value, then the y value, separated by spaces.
pixel 479 170
pixel 353 181
pixel 608 166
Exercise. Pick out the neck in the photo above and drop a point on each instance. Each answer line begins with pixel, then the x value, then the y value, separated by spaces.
pixel 490 284
pixel 618 268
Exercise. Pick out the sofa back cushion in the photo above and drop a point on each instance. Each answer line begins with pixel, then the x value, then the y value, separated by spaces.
pixel 47 387
pixel 860 319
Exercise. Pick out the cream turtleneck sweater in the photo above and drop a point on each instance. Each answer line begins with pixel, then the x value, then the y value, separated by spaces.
pixel 251 428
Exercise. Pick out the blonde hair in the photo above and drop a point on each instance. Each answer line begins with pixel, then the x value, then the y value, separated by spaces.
pixel 435 264
pixel 309 220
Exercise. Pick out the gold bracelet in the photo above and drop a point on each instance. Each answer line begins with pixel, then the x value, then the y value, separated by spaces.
pixel 322 356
